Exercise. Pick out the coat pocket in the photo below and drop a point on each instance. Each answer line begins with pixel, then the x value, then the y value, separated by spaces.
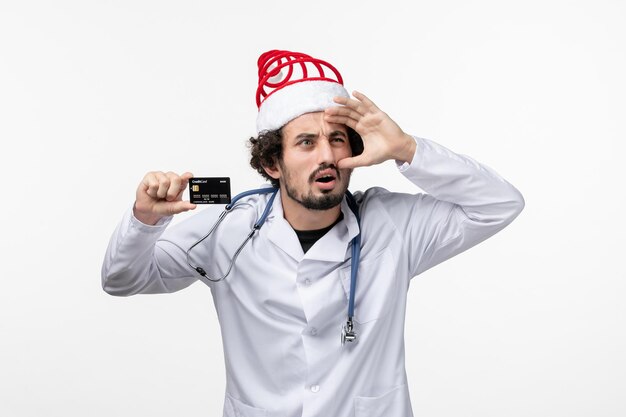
pixel 376 287
pixel 394 403
pixel 236 408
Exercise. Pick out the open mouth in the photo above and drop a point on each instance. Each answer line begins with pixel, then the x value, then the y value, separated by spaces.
pixel 325 179
pixel 325 175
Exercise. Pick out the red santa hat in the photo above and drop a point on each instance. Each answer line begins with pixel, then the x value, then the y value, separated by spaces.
pixel 292 84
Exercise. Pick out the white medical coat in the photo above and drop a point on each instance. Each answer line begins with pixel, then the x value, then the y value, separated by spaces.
pixel 281 311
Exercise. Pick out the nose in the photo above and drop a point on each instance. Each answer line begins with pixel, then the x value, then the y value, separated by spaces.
pixel 325 152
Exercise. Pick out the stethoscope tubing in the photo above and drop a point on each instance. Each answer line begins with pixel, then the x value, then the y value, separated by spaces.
pixel 348 333
pixel 356 254
pixel 255 228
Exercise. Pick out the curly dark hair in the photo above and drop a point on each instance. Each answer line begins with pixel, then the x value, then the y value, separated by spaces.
pixel 267 149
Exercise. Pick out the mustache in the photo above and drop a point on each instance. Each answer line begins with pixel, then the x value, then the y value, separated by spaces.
pixel 324 167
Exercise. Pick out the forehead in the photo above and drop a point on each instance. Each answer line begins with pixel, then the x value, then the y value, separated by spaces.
pixel 311 123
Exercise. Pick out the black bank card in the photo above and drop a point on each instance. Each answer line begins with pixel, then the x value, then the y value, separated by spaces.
pixel 209 190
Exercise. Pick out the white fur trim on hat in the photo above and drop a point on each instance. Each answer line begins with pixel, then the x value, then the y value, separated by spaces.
pixel 291 101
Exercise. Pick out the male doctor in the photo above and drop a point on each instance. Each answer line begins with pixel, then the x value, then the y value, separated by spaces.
pixel 283 309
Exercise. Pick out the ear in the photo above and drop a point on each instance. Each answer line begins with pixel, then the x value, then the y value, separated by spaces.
pixel 273 171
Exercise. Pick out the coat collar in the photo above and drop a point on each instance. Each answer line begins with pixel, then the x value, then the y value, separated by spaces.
pixel 332 247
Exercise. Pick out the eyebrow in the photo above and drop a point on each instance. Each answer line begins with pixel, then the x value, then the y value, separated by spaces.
pixel 334 133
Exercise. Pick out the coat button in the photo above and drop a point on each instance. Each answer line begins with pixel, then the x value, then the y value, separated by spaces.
pixel 313 331
pixel 315 388
pixel 307 282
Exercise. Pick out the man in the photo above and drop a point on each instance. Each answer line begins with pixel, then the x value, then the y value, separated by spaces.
pixel 283 305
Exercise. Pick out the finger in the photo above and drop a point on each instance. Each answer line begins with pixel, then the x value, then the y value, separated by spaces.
pixel 154 182
pixel 147 182
pixel 344 116
pixel 363 98
pixel 175 186
pixel 164 185
pixel 184 183
pixel 351 103
pixel 343 111
pixel 342 120
pixel 186 177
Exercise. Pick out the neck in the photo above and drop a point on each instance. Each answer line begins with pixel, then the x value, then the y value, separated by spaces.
pixel 302 218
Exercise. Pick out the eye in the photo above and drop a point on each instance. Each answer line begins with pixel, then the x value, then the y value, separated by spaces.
pixel 306 142
pixel 338 139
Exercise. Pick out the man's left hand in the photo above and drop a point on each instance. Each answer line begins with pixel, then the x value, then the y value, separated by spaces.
pixel 382 137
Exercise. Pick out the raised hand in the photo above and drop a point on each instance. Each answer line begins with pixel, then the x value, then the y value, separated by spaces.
pixel 382 137
pixel 160 194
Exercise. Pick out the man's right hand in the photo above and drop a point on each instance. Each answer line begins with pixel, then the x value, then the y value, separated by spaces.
pixel 161 194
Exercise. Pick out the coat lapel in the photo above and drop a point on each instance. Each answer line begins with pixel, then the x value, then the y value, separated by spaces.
pixel 281 233
pixel 332 247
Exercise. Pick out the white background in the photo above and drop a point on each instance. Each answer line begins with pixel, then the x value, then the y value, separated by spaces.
pixel 93 94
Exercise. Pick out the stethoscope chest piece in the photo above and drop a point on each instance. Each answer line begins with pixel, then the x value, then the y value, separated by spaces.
pixel 347 332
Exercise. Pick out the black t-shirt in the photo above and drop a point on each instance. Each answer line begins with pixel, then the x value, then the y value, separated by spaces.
pixel 308 238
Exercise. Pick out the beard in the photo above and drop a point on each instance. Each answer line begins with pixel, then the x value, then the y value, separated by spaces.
pixel 328 199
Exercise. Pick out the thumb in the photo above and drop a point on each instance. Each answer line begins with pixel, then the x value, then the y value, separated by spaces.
pixel 180 206
pixel 353 162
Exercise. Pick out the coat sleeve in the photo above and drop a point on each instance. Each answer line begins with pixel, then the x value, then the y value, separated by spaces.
pixel 145 259
pixel 466 203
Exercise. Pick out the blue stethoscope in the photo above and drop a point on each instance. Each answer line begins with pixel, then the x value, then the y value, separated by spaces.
pixel 347 331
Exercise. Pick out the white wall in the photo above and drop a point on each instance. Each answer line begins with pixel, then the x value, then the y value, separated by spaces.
pixel 93 94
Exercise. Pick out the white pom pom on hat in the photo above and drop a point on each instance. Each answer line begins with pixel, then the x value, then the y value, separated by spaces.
pixel 292 84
